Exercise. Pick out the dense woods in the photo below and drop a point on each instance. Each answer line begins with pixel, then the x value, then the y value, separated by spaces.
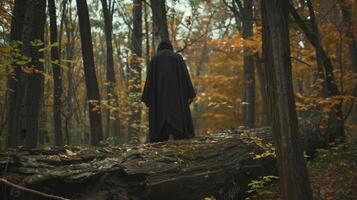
pixel 72 75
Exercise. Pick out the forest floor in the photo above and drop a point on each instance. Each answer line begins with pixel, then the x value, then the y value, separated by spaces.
pixel 333 175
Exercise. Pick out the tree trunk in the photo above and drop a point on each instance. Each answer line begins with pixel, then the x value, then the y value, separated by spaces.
pixel 147 36
pixel 294 180
pixel 249 69
pixel 113 121
pixel 263 89
pixel 89 73
pixel 346 10
pixel 160 28
pixel 30 81
pixel 13 137
pixel 70 42
pixel 336 123
pixel 57 75
pixel 315 31
pixel 219 165
pixel 135 73
pixel 331 86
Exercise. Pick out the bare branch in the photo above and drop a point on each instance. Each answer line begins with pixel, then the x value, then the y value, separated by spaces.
pixel 6 182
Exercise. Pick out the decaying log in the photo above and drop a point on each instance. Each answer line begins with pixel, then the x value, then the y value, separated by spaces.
pixel 219 165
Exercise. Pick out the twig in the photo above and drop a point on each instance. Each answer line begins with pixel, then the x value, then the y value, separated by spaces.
pixel 351 106
pixel 6 182
pixel 300 61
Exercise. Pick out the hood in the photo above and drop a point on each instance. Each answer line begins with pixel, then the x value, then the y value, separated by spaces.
pixel 165 44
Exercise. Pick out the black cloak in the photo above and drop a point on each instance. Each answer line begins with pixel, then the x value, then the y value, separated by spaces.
pixel 167 91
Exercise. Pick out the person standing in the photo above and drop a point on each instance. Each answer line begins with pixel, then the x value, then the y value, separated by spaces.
pixel 168 92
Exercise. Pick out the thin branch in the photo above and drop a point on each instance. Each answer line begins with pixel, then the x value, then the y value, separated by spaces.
pixel 351 106
pixel 187 44
pixel 300 61
pixel 6 182
pixel 147 3
pixel 240 6
pixel 236 12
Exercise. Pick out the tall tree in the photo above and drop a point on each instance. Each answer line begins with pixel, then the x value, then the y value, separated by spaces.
pixel 346 9
pixel 249 70
pixel 315 31
pixel 336 123
pixel 243 12
pixel 147 35
pixel 89 73
pixel 31 80
pixel 17 22
pixel 69 49
pixel 263 89
pixel 113 122
pixel 160 28
pixel 294 180
pixel 135 71
pixel 314 40
pixel 57 74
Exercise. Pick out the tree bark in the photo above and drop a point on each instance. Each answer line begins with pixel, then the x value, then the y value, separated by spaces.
pixel 70 42
pixel 294 180
pixel 336 123
pixel 331 86
pixel 30 80
pixel 113 121
pixel 135 73
pixel 346 10
pixel 147 36
pixel 243 14
pixel 89 73
pixel 263 89
pixel 57 75
pixel 160 28
pixel 17 22
pixel 249 69
pixel 315 31
pixel 219 165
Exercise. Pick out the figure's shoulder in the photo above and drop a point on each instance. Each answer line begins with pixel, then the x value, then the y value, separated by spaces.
pixel 178 56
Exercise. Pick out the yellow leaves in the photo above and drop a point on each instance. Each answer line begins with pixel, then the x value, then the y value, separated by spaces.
pixel 70 153
pixel 22 61
pixel 134 59
pixel 326 109
pixel 36 43
pixel 48 47
pixel 300 106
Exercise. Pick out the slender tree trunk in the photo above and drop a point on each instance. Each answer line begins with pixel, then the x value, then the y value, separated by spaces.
pixel 57 75
pixel 70 86
pixel 263 89
pixel 346 10
pixel 335 121
pixel 249 69
pixel 294 180
pixel 135 73
pixel 113 121
pixel 89 73
pixel 122 63
pixel 147 36
pixel 313 39
pixel 315 31
pixel 160 28
pixel 17 22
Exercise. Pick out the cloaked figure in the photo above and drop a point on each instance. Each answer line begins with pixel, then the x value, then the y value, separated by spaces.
pixel 168 92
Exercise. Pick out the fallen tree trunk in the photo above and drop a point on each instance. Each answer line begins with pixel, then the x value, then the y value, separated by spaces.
pixel 219 165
